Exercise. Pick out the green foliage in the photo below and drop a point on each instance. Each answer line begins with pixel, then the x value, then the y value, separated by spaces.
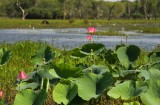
pixel 151 97
pixel 4 56
pixel 93 85
pixel 122 56
pixel 30 97
pixel 44 55
pixel 96 48
pixel 128 54
pixel 64 92
pixel 67 71
pixel 128 90
pixel 132 103
pixel 70 77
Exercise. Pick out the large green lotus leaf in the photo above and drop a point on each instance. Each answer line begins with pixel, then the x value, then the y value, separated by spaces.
pixel 133 52
pixel 92 85
pixel 99 70
pixel 25 97
pixel 51 74
pixel 75 53
pixel 122 56
pixel 103 83
pixel 132 103
pixel 111 57
pixel 87 87
pixel 152 96
pixel 5 55
pixel 124 73
pixel 154 57
pixel 153 74
pixel 97 48
pixel 46 53
pixel 37 61
pixel 67 71
pixel 128 90
pixel 41 96
pixel 30 97
pixel 64 92
pixel 25 85
pixel 144 74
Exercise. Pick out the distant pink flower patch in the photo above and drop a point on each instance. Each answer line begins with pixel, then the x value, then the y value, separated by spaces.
pixel 91 30
pixel 22 75
pixel 1 93
pixel 89 37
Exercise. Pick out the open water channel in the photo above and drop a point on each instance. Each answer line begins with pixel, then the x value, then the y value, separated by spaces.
pixel 76 37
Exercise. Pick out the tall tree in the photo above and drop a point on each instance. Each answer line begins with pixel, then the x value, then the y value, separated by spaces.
pixel 144 7
pixel 24 5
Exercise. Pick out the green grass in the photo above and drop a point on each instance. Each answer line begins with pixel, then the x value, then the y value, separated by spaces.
pixel 147 26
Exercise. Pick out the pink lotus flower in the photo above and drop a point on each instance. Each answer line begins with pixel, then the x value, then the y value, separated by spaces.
pixel 91 30
pixel 22 75
pixel 89 37
pixel 1 93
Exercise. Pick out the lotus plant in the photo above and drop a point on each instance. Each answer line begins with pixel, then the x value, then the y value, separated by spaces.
pixel 91 30
pixel 22 75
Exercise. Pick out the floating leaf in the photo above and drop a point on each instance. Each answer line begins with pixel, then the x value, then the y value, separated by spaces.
pixel 128 90
pixel 64 92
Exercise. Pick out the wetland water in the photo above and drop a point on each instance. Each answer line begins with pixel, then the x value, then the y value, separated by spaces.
pixel 76 37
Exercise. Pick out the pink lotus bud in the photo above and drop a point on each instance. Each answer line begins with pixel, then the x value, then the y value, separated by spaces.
pixel 89 37
pixel 22 75
pixel 1 93
pixel 91 30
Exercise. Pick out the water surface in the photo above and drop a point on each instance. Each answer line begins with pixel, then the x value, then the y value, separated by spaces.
pixel 76 37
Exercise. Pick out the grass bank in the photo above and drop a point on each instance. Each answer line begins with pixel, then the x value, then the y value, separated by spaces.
pixel 146 26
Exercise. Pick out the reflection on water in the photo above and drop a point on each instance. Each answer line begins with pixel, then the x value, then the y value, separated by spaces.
pixel 75 37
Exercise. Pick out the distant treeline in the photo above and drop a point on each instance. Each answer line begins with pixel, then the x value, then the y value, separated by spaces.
pixel 80 9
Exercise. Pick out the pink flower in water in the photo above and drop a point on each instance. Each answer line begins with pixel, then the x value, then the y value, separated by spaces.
pixel 91 30
pixel 89 37
pixel 22 75
pixel 1 93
